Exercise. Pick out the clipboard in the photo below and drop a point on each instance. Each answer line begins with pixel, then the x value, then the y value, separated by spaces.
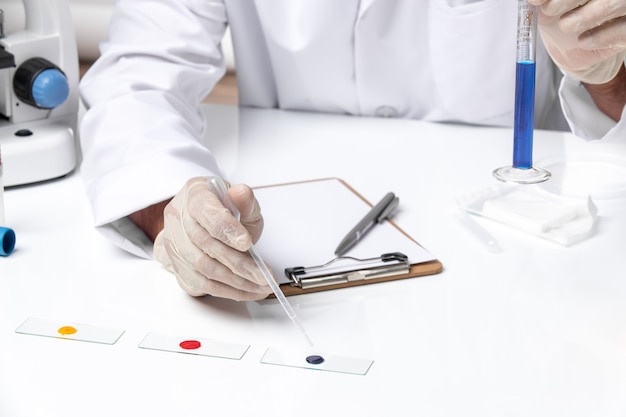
pixel 304 222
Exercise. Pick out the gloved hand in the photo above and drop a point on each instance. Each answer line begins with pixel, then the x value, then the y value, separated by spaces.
pixel 206 247
pixel 586 38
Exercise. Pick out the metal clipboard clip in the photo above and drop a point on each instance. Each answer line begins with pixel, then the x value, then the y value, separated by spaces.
pixel 333 272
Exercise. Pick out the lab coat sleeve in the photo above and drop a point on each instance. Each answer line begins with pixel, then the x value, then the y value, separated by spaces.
pixel 584 118
pixel 141 136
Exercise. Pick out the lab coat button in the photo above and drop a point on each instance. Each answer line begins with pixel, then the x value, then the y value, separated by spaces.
pixel 386 111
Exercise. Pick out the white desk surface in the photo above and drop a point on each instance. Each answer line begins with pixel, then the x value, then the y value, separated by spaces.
pixel 537 330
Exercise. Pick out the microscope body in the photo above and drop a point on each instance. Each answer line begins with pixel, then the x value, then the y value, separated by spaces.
pixel 39 100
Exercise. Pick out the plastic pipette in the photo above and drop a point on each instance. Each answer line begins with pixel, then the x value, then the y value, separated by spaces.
pixel 218 186
pixel 476 230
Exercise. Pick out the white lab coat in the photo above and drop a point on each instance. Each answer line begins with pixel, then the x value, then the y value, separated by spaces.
pixel 436 60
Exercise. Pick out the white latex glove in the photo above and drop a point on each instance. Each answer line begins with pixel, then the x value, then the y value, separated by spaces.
pixel 206 247
pixel 586 38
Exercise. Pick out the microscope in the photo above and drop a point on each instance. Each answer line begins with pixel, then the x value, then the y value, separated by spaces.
pixel 39 100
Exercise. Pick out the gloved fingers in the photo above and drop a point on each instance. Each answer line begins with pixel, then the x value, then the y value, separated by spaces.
pixel 240 234
pixel 611 35
pixel 579 16
pixel 578 58
pixel 217 289
pixel 198 240
pixel 243 197
pixel 558 7
pixel 221 283
pixel 197 284
pixel 198 273
pixel 195 254
pixel 234 261
pixel 592 56
pixel 205 208
pixel 593 14
pixel 223 280
pixel 216 236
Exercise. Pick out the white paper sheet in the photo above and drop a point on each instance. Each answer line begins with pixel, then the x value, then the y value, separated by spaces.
pixel 304 223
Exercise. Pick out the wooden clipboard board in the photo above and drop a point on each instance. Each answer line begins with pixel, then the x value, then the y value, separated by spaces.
pixel 304 221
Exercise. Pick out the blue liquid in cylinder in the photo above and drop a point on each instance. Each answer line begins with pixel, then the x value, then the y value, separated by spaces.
pixel 524 115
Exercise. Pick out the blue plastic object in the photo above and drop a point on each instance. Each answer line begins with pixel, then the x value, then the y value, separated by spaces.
pixel 7 241
pixel 50 88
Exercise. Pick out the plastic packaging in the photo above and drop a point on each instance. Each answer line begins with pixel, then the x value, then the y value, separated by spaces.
pixel 562 220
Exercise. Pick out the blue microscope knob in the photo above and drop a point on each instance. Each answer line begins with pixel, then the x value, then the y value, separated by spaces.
pixel 40 83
